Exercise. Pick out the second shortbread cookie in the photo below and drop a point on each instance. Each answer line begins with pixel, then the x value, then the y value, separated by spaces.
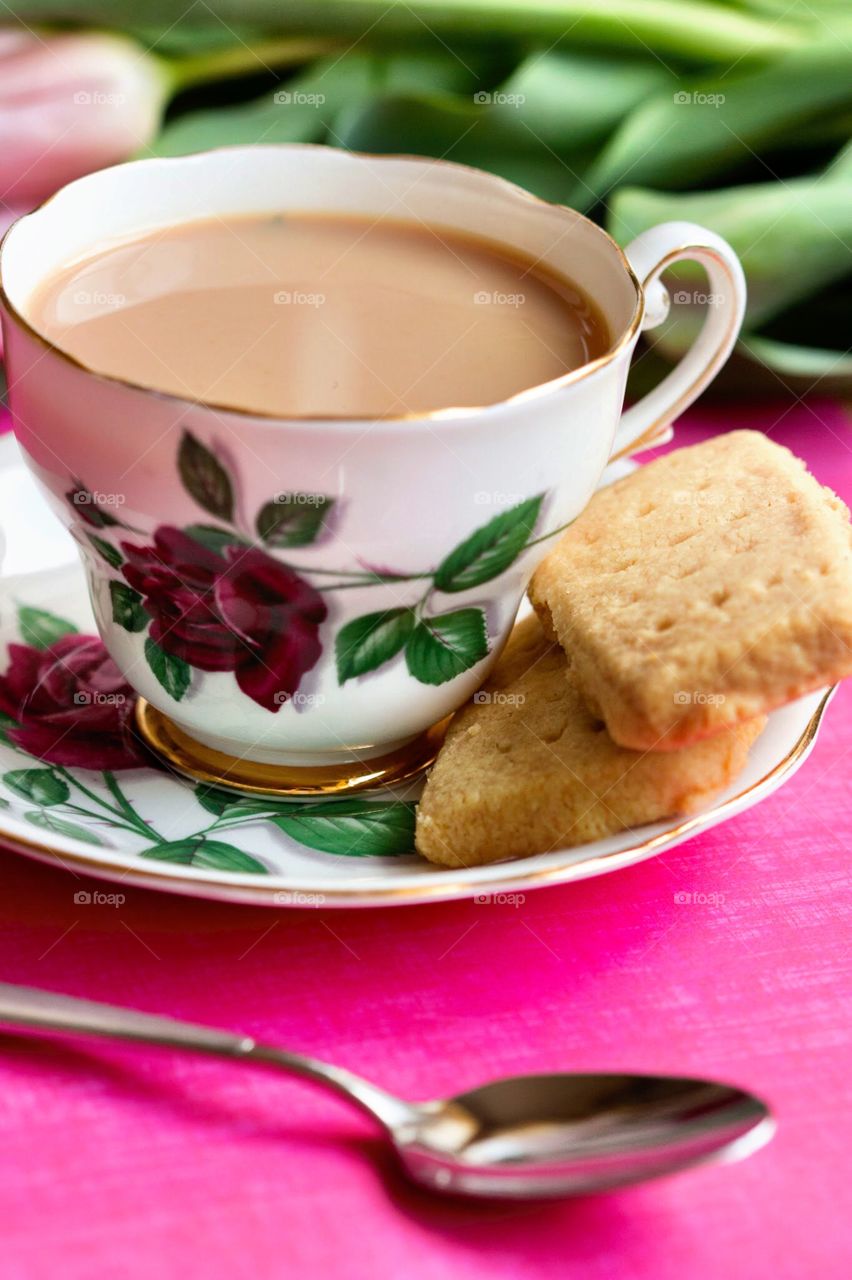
pixel 708 587
pixel 527 768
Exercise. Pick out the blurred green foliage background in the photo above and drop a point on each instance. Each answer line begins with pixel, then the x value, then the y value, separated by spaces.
pixel 733 113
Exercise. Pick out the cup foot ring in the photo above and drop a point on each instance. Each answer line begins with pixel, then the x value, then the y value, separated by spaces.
pixel 186 756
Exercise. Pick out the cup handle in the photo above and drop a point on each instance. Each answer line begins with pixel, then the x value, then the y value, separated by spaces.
pixel 649 422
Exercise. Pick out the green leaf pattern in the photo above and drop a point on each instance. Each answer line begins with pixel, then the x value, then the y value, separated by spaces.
pixel 127 608
pixel 293 520
pixel 106 551
pixel 205 478
pixel 490 549
pixel 200 851
pixel 69 807
pixel 40 628
pixel 352 828
pixel 42 786
pixel 172 673
pixel 371 640
pixel 442 647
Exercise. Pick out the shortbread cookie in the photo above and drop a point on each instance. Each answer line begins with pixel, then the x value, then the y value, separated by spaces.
pixel 704 589
pixel 526 767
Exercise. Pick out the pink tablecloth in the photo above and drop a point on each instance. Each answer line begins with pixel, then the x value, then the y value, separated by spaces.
pixel 130 1163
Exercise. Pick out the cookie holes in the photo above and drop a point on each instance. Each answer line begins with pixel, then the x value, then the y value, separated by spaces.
pixel 684 537
pixel 646 509
pixel 665 624
pixel 720 597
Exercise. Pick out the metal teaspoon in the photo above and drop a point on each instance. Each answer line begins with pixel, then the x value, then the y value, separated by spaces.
pixel 519 1138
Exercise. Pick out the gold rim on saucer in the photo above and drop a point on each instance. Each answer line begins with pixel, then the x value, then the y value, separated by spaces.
pixel 233 773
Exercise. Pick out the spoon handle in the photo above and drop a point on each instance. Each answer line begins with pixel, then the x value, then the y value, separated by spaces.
pixel 50 1011
pixel 31 1007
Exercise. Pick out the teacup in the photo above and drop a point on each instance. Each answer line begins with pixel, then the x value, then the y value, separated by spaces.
pixel 394 553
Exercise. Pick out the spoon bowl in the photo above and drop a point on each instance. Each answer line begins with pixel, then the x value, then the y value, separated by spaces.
pixel 573 1134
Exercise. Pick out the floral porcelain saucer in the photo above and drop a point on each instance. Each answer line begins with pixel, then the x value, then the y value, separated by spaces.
pixel 76 790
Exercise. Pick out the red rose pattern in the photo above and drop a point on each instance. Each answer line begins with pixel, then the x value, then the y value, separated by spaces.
pixel 71 705
pixel 239 610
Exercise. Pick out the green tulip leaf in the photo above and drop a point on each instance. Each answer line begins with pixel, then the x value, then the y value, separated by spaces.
pixel 489 137
pixel 791 238
pixel 571 99
pixel 306 107
pixel 697 30
pixel 709 127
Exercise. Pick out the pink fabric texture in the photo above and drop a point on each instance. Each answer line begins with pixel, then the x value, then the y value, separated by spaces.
pixel 127 1162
